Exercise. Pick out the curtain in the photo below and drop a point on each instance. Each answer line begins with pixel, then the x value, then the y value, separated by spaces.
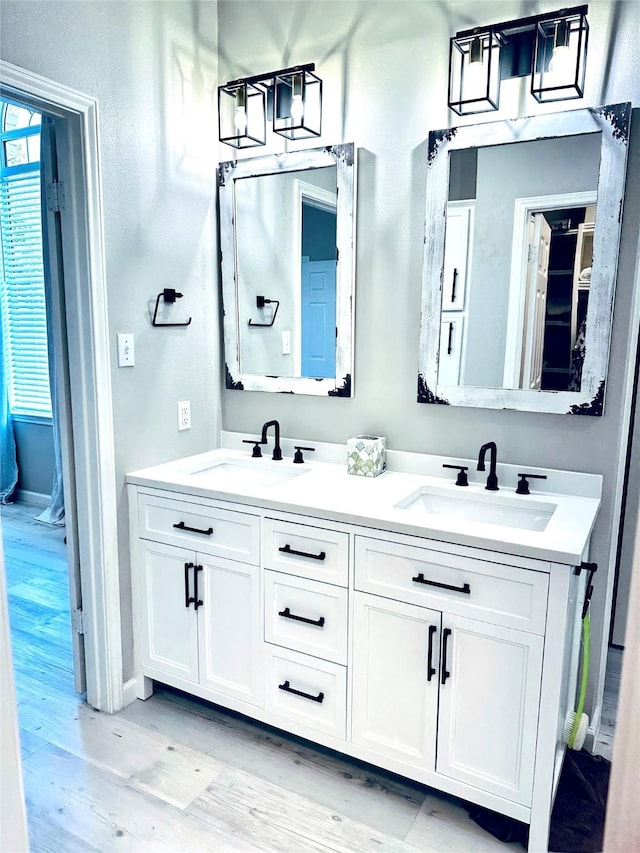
pixel 54 513
pixel 8 463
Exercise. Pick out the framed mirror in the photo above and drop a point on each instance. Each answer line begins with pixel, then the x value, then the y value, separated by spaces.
pixel 287 239
pixel 521 251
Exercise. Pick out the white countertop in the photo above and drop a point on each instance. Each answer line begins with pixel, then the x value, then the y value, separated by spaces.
pixel 325 490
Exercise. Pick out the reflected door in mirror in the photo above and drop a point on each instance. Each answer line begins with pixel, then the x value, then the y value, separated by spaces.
pixel 286 250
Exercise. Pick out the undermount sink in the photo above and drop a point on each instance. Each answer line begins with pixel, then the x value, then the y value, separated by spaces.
pixel 239 473
pixel 488 509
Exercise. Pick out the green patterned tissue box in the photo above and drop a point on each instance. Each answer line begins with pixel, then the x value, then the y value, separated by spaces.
pixel 366 455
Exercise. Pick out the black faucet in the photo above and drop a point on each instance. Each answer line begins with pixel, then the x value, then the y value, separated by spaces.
pixel 277 451
pixel 492 479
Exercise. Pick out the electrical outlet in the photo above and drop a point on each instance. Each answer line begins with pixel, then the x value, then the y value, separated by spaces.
pixel 126 353
pixel 286 343
pixel 184 415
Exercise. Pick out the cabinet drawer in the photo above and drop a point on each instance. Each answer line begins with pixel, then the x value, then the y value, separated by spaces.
pixel 234 535
pixel 310 552
pixel 306 691
pixel 492 592
pixel 305 615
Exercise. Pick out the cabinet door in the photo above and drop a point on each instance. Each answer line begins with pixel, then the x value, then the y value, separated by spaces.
pixel 395 679
pixel 489 706
pixel 169 625
pixel 457 254
pixel 450 357
pixel 229 628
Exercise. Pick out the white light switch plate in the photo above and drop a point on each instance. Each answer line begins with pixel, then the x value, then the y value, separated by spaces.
pixel 126 352
pixel 286 343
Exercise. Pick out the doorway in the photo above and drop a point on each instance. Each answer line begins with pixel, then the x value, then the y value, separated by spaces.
pixel 43 584
pixel 90 422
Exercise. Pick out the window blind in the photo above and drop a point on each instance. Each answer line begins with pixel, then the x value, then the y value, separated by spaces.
pixel 24 319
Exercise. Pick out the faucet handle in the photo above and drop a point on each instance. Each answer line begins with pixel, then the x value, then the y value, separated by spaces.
pixel 462 473
pixel 523 482
pixel 297 456
pixel 257 452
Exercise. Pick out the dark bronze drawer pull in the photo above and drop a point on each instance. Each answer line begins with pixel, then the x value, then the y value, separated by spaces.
pixel 421 579
pixel 287 549
pixel 197 602
pixel 188 599
pixel 430 668
pixel 288 689
pixel 182 526
pixel 289 615
pixel 445 639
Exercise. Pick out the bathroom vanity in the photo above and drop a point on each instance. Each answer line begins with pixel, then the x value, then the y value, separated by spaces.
pixel 428 629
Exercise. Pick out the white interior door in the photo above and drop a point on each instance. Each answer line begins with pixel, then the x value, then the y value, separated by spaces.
pixel 52 248
pixel 536 304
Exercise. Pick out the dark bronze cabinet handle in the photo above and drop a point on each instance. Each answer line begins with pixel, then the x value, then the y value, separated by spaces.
pixel 289 689
pixel 287 614
pixel 445 638
pixel 187 598
pixel 197 602
pixel 450 340
pixel 287 549
pixel 421 579
pixel 182 526
pixel 430 670
pixel 453 284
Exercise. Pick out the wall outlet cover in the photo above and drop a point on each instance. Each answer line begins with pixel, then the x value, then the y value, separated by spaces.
pixel 184 414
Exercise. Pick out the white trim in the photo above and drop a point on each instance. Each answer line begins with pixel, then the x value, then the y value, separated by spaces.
pixel 88 345
pixel 33 498
pixel 523 207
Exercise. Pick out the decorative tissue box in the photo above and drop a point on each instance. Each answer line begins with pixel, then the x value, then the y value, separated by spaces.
pixel 366 455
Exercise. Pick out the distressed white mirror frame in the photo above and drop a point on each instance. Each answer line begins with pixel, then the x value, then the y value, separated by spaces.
pixel 343 158
pixel 613 123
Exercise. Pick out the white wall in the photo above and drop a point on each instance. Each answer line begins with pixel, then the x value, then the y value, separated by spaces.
pixel 384 67
pixel 152 67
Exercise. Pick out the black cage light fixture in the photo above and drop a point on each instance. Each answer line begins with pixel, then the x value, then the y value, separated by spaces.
pixel 290 98
pixel 550 48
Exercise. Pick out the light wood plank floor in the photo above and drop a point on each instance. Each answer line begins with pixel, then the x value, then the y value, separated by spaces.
pixel 175 773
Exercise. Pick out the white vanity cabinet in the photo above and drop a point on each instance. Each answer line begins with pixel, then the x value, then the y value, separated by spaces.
pixel 450 664
pixel 306 626
pixel 199 614
pixel 469 688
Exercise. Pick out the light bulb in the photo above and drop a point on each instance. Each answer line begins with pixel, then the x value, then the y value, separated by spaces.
pixel 476 71
pixel 560 64
pixel 240 120
pixel 240 114
pixel 297 109
pixel 560 59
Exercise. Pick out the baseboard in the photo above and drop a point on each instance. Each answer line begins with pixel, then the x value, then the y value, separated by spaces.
pixel 129 692
pixel 33 498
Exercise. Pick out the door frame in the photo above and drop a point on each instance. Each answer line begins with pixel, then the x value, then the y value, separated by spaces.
pixel 85 288
pixel 304 193
pixel 523 208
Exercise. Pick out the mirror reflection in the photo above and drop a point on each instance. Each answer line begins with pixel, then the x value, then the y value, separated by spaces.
pixel 520 221
pixel 287 254
pixel 286 272
pixel 522 230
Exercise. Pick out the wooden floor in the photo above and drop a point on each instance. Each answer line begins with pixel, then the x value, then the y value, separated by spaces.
pixel 177 774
